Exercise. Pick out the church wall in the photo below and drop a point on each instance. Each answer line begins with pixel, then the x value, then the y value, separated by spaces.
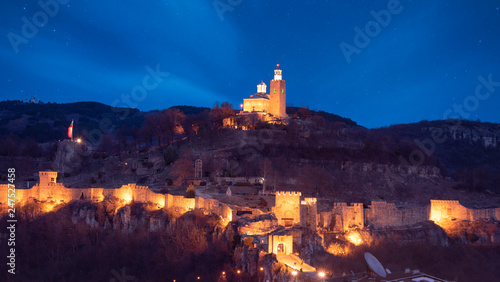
pixel 255 105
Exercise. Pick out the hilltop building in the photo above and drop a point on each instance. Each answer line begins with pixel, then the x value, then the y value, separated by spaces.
pixel 274 103
pixel 262 106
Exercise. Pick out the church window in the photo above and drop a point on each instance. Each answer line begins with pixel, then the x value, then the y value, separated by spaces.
pixel 274 90
pixel 282 91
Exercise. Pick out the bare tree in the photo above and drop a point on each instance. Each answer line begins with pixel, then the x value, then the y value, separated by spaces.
pixel 266 170
pixel 183 168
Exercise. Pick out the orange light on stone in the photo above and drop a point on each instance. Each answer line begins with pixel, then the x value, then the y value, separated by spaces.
pixel 161 202
pixel 48 207
pixel 355 238
pixel 127 197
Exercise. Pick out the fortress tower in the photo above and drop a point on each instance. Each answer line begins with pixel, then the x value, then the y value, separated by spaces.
pixel 277 95
pixel 273 103
pixel 287 208
pixel 47 177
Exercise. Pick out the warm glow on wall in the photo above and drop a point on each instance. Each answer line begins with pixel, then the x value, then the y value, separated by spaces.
pixel 48 207
pixel 354 237
pixel 435 215
pixel 127 197
pixel 161 202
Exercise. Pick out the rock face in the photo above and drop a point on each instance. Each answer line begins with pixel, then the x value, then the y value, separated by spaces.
pixel 422 232
pixel 125 219
pixel 478 232
pixel 127 222
pixel 260 224
pixel 86 213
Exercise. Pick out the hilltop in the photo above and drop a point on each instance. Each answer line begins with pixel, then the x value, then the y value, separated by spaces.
pixel 318 153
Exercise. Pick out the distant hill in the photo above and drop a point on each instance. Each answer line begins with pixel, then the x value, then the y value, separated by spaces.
pixel 190 110
pixel 465 150
pixel 293 111
pixel 49 121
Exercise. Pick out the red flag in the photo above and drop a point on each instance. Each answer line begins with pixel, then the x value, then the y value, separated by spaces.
pixel 70 130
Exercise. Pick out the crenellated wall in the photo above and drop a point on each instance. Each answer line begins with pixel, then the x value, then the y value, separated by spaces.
pixel 453 210
pixel 50 191
pixel 287 207
pixel 382 214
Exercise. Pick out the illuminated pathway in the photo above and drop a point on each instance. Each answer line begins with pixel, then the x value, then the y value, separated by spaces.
pixel 296 263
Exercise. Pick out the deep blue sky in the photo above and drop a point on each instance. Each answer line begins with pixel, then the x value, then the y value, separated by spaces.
pixel 425 60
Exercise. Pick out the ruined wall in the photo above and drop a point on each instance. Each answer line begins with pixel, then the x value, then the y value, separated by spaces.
pixel 287 207
pixel 382 214
pixel 347 217
pixel 179 203
pixel 426 171
pixel 448 210
pixel 324 220
pixel 453 210
pixel 308 212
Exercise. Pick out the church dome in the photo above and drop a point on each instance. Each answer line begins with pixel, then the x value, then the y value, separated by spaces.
pixel 261 88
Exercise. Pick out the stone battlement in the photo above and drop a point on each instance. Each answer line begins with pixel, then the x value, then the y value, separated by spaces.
pixel 288 193
pixel 310 200
pixel 379 214
pixel 50 191
pixel 339 204
pixel 445 202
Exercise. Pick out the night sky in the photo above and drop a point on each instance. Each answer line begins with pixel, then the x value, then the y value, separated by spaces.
pixel 419 64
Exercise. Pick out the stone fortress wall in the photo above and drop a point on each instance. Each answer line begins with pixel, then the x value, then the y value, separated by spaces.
pixel 380 214
pixel 48 190
pixel 289 209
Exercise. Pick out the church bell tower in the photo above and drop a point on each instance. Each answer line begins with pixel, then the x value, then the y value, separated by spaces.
pixel 277 95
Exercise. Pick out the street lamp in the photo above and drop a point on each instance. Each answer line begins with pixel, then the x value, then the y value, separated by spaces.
pixel 321 274
pixel 294 273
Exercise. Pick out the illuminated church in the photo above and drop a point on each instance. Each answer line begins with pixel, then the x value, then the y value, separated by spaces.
pixel 273 104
